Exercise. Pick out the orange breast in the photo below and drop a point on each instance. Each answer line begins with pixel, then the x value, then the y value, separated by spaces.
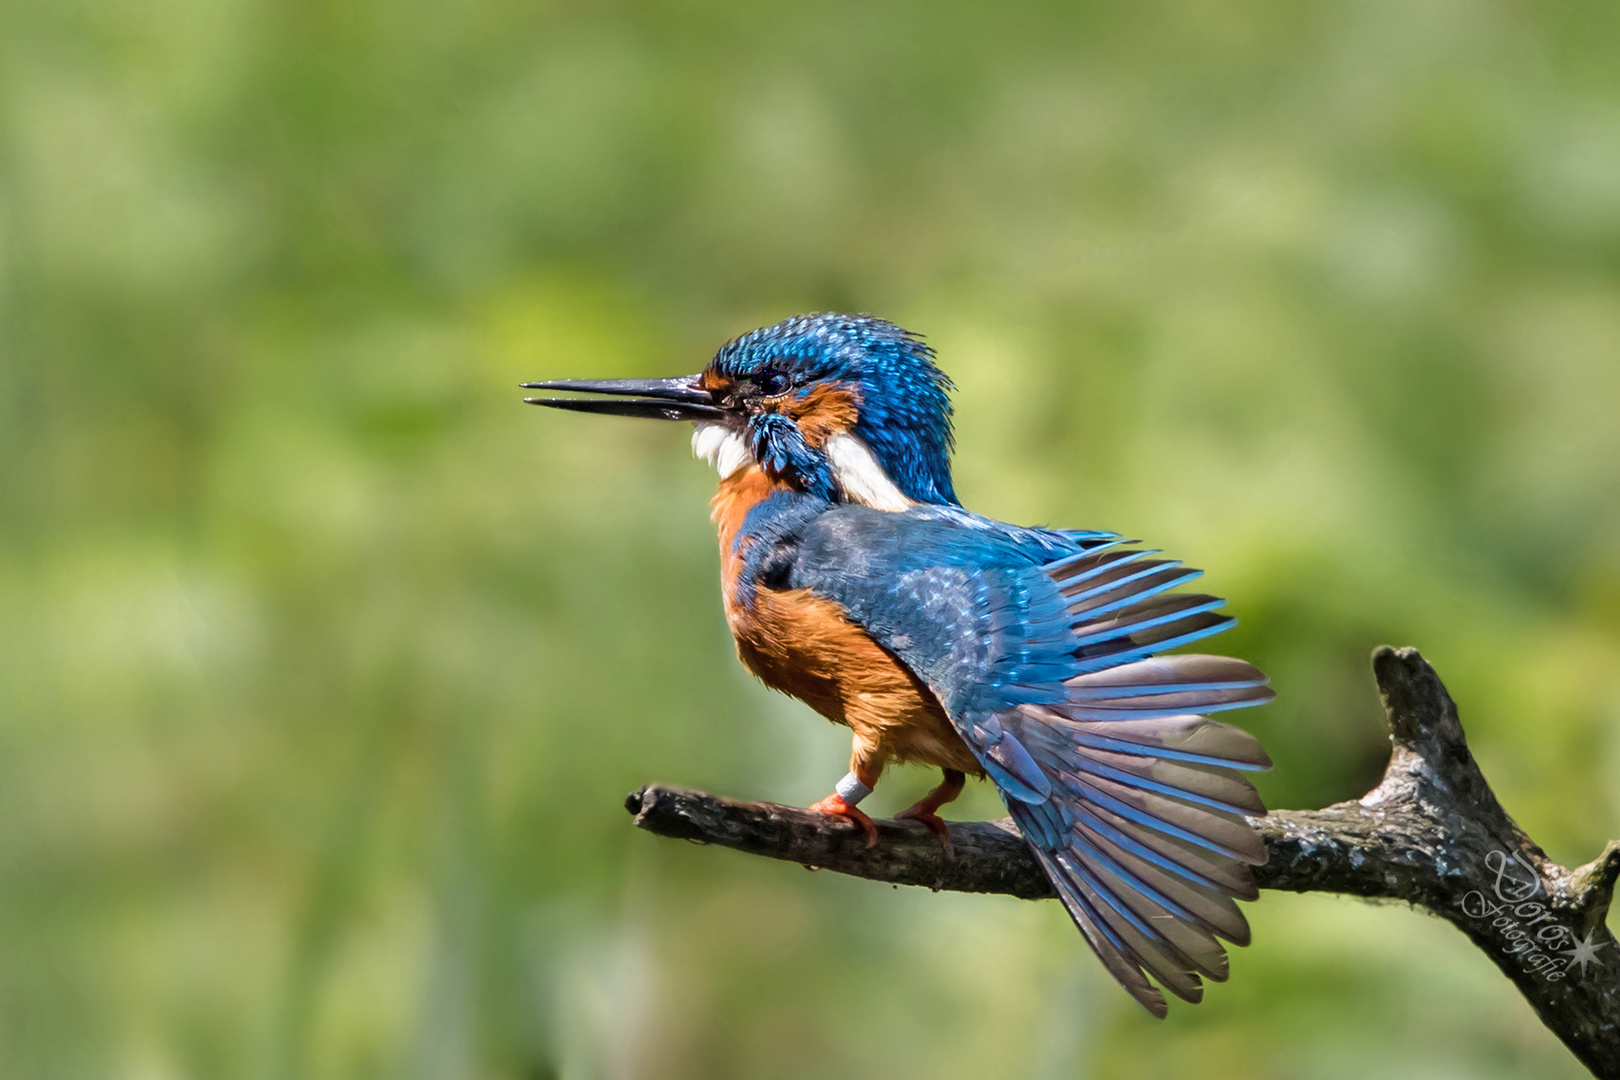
pixel 802 645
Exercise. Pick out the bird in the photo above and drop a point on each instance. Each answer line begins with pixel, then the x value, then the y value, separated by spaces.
pixel 853 579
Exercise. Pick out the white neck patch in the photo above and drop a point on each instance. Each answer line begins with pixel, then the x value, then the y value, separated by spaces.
pixel 860 475
pixel 853 465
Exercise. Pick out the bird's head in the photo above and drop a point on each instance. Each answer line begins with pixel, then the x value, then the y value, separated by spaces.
pixel 847 407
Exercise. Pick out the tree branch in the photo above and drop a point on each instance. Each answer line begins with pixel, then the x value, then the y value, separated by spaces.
pixel 1431 833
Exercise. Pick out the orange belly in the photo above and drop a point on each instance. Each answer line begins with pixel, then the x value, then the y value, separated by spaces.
pixel 802 645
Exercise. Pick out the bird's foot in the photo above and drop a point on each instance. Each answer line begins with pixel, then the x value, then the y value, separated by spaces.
pixel 925 813
pixel 837 807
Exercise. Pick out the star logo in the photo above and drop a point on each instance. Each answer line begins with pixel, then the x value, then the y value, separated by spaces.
pixel 1585 952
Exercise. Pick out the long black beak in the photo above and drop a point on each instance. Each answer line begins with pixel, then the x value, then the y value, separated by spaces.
pixel 681 398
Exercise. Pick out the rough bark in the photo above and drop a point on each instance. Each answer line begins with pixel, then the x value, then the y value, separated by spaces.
pixel 1432 833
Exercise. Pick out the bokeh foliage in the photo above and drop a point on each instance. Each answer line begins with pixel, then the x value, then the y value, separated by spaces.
pixel 324 665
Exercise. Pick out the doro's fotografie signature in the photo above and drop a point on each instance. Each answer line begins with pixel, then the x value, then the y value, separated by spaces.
pixel 1543 945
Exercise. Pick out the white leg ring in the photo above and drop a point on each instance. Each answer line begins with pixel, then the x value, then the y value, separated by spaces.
pixel 851 790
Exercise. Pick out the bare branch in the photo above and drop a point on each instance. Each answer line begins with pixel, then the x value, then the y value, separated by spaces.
pixel 1431 833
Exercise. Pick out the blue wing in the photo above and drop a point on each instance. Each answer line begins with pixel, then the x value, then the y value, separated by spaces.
pixel 1041 647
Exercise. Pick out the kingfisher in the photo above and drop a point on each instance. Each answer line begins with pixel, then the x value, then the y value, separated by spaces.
pixel 854 580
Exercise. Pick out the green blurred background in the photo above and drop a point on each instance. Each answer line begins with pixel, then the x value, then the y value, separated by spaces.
pixel 325 665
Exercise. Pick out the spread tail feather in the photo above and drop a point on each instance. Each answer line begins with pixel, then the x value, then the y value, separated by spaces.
pixel 1144 834
pixel 1149 855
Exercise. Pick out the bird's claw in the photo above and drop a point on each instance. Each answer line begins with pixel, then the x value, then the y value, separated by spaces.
pixel 934 822
pixel 837 807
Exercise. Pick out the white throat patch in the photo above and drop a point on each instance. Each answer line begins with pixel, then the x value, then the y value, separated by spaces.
pixel 720 447
pixel 854 467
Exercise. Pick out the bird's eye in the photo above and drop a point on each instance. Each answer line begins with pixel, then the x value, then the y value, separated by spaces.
pixel 772 383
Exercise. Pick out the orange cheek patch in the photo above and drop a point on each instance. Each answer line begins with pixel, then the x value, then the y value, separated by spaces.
pixel 824 412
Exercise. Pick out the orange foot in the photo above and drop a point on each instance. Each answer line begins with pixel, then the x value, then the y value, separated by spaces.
pixel 923 811
pixel 836 806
